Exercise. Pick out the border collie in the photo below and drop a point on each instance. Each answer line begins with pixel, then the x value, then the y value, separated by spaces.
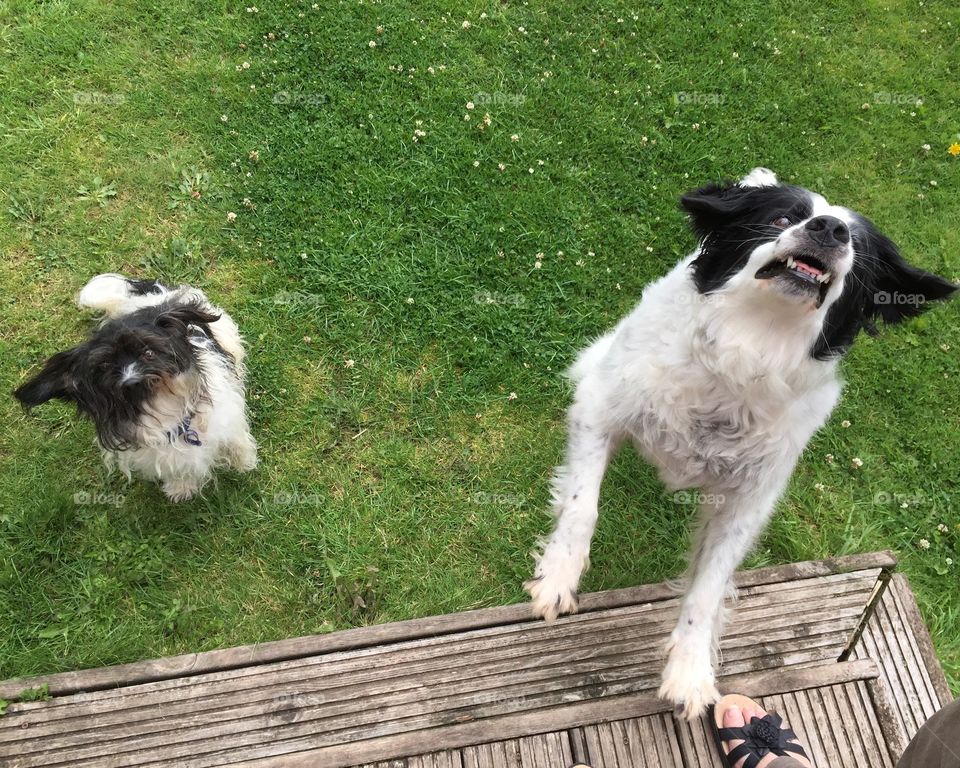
pixel 720 376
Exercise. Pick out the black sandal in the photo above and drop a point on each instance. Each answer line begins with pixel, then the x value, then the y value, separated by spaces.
pixel 760 737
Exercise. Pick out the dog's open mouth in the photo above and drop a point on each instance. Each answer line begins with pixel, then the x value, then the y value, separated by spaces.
pixel 801 273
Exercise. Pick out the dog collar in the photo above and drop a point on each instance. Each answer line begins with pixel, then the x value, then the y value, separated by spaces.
pixel 185 431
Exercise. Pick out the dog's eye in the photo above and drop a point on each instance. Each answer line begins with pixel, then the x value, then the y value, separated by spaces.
pixel 781 222
pixel 147 354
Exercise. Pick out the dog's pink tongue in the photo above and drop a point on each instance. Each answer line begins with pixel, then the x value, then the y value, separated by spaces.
pixel 808 268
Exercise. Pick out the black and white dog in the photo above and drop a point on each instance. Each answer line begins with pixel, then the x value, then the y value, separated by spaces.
pixel 720 376
pixel 162 379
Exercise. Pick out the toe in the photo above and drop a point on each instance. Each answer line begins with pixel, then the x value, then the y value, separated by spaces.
pixel 733 718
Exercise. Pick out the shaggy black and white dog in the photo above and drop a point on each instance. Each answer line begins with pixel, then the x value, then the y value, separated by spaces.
pixel 162 380
pixel 720 376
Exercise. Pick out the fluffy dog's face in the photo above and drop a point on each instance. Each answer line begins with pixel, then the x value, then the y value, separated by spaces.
pixel 787 245
pixel 112 376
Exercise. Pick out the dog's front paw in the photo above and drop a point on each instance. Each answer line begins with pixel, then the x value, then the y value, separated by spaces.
pixel 688 682
pixel 550 597
pixel 242 455
pixel 553 589
pixel 180 490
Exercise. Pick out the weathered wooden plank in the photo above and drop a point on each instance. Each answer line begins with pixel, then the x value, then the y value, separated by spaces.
pixel 904 605
pixel 873 741
pixel 445 759
pixel 642 742
pixel 737 659
pixel 403 697
pixel 697 744
pixel 914 684
pixel 546 750
pixel 299 752
pixel 836 729
pixel 842 591
pixel 387 764
pixel 365 637
pixel 795 643
pixel 418 657
pixel 269 728
pixel 877 697
pixel 459 695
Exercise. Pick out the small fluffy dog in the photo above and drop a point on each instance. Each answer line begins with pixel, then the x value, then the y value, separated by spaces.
pixel 162 380
pixel 720 376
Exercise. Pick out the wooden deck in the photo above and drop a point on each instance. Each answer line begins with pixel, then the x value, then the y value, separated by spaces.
pixel 843 642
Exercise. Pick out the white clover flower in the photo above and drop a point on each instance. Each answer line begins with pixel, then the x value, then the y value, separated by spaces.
pixel 942 528
pixel 372 43
pixel 466 25
pixel 470 105
pixel 856 462
pixel 349 363
pixel 845 424
pixel 231 217
pixel 924 544
pixel 819 487
pixel 512 396
pixel 515 137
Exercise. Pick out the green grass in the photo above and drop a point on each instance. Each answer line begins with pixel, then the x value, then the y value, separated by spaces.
pixel 411 482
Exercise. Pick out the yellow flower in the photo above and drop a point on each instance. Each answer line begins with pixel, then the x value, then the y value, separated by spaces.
pixel 954 149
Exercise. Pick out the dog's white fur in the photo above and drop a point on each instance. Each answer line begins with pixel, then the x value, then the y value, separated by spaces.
pixel 720 393
pixel 217 404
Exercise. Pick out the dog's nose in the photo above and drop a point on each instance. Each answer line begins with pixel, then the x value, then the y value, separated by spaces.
pixel 828 231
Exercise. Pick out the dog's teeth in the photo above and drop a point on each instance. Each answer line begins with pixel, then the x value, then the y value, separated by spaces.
pixel 790 261
pixel 824 277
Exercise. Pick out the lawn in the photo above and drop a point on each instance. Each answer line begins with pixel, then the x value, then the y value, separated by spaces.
pixel 434 205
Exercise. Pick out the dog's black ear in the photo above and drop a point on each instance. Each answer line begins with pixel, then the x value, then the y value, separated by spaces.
pixel 185 315
pixel 55 380
pixel 899 289
pixel 712 205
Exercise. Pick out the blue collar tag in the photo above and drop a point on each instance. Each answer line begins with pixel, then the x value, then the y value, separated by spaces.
pixel 184 430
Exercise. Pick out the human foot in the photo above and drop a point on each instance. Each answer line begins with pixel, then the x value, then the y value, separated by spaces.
pixel 752 738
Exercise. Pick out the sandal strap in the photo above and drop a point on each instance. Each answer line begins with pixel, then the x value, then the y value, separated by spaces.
pixel 740 751
pixel 754 751
pixel 791 746
pixel 733 734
